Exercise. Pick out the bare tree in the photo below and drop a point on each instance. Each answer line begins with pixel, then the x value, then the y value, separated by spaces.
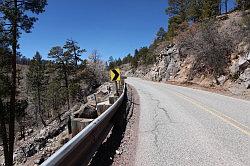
pixel 210 47
pixel 96 68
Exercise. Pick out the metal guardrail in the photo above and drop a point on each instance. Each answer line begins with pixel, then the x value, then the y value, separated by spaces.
pixel 81 148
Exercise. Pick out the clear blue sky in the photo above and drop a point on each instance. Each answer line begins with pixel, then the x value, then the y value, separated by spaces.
pixel 113 27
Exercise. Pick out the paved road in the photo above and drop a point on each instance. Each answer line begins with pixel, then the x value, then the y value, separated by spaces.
pixel 183 126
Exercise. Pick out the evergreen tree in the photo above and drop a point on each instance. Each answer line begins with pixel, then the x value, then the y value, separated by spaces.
pixel 195 10
pixel 63 61
pixel 56 95
pixel 210 8
pixel 161 33
pixel 135 60
pixel 243 4
pixel 37 82
pixel 173 26
pixel 178 12
pixel 178 7
pixel 74 50
pixel 127 59
pixel 15 19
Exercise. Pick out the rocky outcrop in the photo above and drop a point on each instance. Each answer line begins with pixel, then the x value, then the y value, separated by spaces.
pixel 167 66
pixel 245 78
pixel 178 62
pixel 170 67
pixel 240 69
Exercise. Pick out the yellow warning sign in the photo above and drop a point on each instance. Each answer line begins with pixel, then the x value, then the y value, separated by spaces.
pixel 115 74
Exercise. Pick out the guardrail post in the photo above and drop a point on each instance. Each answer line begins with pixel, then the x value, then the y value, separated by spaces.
pixel 116 88
pixel 75 127
pixel 69 125
pixel 112 99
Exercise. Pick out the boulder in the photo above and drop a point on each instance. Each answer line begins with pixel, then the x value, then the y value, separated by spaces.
pixel 29 131
pixel 102 107
pixel 64 140
pixel 222 17
pixel 39 161
pixel 29 150
pixel 222 79
pixel 88 112
pixel 234 68
pixel 233 56
pixel 245 78
pixel 75 108
pixel 247 84
pixel 54 132
pixel 248 56
pixel 40 142
pixel 244 62
pixel 171 50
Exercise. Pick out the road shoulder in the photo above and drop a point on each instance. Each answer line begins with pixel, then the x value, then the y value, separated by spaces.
pixel 126 153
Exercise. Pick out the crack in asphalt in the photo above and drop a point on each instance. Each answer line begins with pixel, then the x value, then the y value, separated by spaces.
pixel 155 130
pixel 158 105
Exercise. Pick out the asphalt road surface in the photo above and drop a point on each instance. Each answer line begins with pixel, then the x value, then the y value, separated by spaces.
pixel 184 126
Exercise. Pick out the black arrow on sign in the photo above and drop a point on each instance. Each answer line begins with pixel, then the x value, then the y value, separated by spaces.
pixel 116 75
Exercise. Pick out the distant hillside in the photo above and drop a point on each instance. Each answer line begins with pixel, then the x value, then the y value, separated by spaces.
pixel 215 52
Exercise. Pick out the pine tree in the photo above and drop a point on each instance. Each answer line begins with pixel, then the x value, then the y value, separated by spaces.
pixel 243 4
pixel 210 8
pixel 135 60
pixel 178 7
pixel 161 33
pixel 56 95
pixel 127 59
pixel 37 82
pixel 15 20
pixel 195 10
pixel 74 50
pixel 63 61
pixel 178 12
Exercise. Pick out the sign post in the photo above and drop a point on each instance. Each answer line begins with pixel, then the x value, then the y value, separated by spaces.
pixel 116 88
pixel 115 75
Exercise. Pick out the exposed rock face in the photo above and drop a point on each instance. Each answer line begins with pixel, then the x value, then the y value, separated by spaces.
pixel 175 62
pixel 167 66
pixel 170 67
pixel 245 78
